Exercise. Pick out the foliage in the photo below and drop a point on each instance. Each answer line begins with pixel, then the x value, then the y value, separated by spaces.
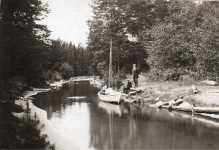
pixel 27 53
pixel 206 40
pixel 109 23
pixel 174 37
pixel 23 41
pixel 69 60
pixel 21 134
pixel 185 41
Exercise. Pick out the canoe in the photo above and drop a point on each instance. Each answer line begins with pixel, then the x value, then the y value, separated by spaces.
pixel 109 95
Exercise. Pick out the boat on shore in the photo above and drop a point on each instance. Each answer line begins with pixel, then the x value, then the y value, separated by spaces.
pixel 108 94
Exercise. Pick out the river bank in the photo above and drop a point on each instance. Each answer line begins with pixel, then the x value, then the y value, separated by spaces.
pixel 25 101
pixel 197 93
pixel 195 97
pixel 190 96
pixel 22 123
pixel 35 113
pixel 89 123
pixel 54 131
pixel 19 129
pixel 194 92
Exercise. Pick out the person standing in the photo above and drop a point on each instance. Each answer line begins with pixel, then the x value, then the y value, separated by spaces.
pixel 127 87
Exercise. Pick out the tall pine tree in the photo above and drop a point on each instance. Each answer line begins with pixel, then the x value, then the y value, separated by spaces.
pixel 22 39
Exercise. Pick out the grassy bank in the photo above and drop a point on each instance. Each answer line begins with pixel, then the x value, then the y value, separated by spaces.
pixel 193 92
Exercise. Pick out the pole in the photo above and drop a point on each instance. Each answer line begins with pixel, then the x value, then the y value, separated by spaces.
pixel 110 64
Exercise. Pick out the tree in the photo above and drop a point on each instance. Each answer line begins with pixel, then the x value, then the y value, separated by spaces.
pixel 184 41
pixel 69 60
pixel 110 22
pixel 23 40
pixel 205 40
pixel 24 36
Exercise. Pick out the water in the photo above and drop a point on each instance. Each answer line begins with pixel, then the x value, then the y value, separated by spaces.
pixel 82 122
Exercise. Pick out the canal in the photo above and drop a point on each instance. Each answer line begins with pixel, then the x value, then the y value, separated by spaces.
pixel 76 119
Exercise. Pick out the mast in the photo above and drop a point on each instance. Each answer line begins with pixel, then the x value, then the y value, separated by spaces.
pixel 110 64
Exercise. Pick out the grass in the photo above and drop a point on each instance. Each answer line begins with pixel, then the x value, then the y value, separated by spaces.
pixel 169 90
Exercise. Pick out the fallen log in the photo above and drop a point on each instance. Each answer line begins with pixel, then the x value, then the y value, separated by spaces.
pixel 186 107
pixel 206 109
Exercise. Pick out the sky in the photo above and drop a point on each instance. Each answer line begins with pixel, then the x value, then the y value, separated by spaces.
pixel 68 20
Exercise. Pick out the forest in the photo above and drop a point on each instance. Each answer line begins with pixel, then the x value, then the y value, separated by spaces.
pixel 166 39
pixel 27 56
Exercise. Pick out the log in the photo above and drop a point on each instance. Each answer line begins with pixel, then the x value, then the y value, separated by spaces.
pixel 206 109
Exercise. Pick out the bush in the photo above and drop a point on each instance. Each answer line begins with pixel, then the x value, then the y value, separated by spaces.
pixel 166 75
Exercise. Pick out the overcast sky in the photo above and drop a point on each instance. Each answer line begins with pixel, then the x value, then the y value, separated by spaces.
pixel 68 20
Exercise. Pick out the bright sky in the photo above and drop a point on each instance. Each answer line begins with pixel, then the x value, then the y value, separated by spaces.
pixel 68 20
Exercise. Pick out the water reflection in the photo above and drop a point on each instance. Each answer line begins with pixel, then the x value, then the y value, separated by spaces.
pixel 73 126
pixel 151 129
pixel 110 108
pixel 99 125
pixel 56 102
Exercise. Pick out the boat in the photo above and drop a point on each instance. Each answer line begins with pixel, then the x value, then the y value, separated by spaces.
pixel 108 94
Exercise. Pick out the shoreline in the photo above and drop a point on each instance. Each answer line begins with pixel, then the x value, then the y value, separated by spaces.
pixel 27 95
pixel 35 113
pixel 152 93
pixel 182 96
pixel 196 98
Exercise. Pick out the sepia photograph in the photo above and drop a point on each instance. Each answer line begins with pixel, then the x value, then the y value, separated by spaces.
pixel 109 74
